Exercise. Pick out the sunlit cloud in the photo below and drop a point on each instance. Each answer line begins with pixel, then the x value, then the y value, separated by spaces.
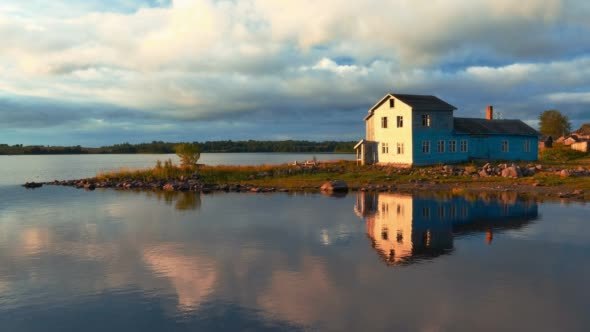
pixel 301 64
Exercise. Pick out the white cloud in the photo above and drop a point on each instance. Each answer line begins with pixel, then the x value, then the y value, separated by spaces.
pixel 201 59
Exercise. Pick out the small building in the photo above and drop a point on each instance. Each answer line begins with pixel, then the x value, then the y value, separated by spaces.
pixel 571 139
pixel 406 130
pixel 581 146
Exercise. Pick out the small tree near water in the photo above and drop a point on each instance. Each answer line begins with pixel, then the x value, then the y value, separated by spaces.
pixel 189 154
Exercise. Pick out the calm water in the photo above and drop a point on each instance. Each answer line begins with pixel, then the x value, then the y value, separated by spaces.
pixel 108 260
pixel 19 169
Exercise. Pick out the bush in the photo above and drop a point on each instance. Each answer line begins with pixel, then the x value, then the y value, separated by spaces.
pixel 189 154
pixel 560 154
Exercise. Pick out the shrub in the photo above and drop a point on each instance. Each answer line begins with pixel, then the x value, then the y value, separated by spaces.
pixel 189 154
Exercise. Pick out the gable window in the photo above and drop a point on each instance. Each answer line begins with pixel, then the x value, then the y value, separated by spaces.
pixel 505 146
pixel 452 146
pixel 384 122
pixel 400 148
pixel 400 121
pixel 464 146
pixel 527 146
pixel 391 103
pixel 425 146
pixel 440 148
pixel 384 148
pixel 426 120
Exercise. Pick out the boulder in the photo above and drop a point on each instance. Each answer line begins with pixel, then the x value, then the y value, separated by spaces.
pixel 32 185
pixel 564 173
pixel 334 186
pixel 511 172
pixel 90 186
pixel 168 187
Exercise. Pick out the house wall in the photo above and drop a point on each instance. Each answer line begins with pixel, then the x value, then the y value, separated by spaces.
pixel 393 135
pixel 440 129
pixel 516 150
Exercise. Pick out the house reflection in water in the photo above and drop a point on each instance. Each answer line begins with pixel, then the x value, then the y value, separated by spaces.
pixel 404 228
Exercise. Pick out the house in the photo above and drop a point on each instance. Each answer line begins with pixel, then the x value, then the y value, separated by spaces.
pixel 571 139
pixel 406 130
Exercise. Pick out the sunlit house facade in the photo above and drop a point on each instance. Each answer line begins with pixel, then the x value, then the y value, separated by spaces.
pixel 408 130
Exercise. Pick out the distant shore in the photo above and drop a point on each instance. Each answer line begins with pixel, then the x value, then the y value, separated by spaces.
pixel 557 181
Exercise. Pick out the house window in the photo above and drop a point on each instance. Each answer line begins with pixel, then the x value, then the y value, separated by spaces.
pixel 425 146
pixel 391 103
pixel 452 146
pixel 504 146
pixel 441 212
pixel 440 148
pixel 425 120
pixel 384 122
pixel 527 146
pixel 400 121
pixel 400 148
pixel 464 145
pixel 384 148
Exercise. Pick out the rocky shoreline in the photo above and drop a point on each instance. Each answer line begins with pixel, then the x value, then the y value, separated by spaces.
pixel 426 179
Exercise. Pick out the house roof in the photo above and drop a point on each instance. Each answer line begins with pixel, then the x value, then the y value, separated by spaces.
pixel 490 127
pixel 425 102
pixel 417 102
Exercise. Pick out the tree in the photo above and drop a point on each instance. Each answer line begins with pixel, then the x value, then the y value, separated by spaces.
pixel 553 123
pixel 188 153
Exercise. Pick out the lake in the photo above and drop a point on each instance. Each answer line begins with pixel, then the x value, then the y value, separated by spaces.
pixel 107 260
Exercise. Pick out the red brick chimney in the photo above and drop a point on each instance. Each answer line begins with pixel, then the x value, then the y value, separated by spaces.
pixel 490 112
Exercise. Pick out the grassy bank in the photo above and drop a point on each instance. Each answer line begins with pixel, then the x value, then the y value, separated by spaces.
pixel 420 178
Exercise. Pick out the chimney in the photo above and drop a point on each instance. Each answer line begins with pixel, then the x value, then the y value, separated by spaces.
pixel 490 112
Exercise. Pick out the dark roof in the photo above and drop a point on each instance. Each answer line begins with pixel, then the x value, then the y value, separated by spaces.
pixel 425 102
pixel 417 102
pixel 489 127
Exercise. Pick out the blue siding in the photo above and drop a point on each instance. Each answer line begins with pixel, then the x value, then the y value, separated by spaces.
pixel 479 147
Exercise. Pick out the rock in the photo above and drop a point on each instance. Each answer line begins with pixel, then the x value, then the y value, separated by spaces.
pixel 168 187
pixel 511 172
pixel 483 173
pixel 32 185
pixel 564 173
pixel 334 186
pixel 90 186
pixel 577 192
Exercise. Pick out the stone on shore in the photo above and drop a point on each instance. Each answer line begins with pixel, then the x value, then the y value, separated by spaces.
pixel 334 186
pixel 32 185
pixel 511 172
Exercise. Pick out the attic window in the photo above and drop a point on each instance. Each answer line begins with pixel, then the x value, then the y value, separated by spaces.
pixel 391 103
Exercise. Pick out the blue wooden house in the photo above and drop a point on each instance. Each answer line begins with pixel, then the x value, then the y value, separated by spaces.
pixel 408 130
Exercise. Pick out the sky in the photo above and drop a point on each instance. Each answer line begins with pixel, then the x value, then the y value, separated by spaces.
pixel 97 72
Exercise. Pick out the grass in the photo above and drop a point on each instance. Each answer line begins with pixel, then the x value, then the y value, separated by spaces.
pixel 295 177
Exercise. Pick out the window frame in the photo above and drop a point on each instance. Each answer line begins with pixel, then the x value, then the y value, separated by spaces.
pixel 527 145
pixel 505 146
pixel 391 103
pixel 452 146
pixel 384 122
pixel 400 121
pixel 400 147
pixel 384 148
pixel 426 120
pixel 464 145
pixel 440 146
pixel 426 147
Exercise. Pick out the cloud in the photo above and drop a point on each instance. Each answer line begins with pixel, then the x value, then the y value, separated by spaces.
pixel 298 62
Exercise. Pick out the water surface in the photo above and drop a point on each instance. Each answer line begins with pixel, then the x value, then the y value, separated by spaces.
pixel 109 260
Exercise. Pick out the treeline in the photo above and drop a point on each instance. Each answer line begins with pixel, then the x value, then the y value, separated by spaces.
pixel 168 147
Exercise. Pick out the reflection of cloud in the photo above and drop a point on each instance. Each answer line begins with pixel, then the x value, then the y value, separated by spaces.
pixel 34 240
pixel 299 296
pixel 193 277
